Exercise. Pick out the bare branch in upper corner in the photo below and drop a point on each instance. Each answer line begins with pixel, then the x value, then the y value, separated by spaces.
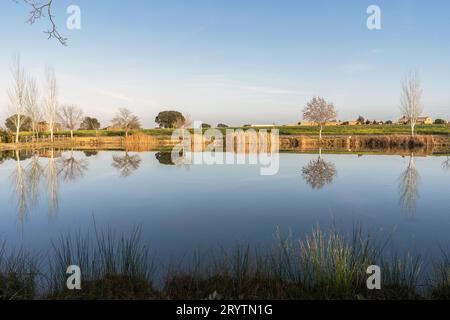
pixel 44 10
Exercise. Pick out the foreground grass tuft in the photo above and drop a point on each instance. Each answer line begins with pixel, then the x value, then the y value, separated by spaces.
pixel 18 272
pixel 112 267
pixel 440 288
pixel 323 265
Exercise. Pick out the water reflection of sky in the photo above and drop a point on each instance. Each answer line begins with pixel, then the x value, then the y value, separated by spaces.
pixel 183 208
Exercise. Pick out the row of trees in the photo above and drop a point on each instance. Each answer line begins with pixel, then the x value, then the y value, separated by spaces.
pixel 30 111
pixel 321 112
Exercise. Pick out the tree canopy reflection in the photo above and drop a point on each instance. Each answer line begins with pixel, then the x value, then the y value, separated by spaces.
pixel 409 188
pixel 446 164
pixel 72 169
pixel 318 172
pixel 126 164
pixel 29 181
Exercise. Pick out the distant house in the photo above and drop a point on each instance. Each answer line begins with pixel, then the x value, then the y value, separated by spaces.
pixel 350 123
pixel 112 128
pixel 310 124
pixel 333 123
pixel 307 123
pixel 262 125
pixel 420 120
pixel 44 127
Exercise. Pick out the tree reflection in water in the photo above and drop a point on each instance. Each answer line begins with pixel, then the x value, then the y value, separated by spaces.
pixel 19 189
pixel 167 158
pixel 34 177
pixel 318 172
pixel 409 188
pixel 126 164
pixel 27 182
pixel 72 169
pixel 51 173
pixel 446 164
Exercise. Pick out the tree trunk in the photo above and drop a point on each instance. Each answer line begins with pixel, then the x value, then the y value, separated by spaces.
pixel 412 129
pixel 71 134
pixel 17 134
pixel 320 133
pixel 17 128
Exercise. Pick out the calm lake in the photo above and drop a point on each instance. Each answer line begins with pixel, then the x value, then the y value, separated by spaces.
pixel 184 208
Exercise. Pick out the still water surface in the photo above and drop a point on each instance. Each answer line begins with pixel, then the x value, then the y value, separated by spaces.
pixel 183 208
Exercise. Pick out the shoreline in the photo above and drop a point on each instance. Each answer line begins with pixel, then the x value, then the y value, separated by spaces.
pixel 388 144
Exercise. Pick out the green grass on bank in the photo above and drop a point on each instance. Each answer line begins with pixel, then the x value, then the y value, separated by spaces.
pixel 369 130
pixel 283 130
pixel 323 265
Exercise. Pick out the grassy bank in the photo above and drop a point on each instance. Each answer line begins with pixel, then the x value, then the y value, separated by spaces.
pixel 284 130
pixel 323 265
pixel 368 130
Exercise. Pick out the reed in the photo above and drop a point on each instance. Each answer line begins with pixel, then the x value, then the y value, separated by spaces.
pixel 323 265
pixel 440 283
pixel 18 273
pixel 113 267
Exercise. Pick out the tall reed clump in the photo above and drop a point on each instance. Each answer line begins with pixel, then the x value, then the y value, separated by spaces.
pixel 18 275
pixel 329 265
pixel 440 286
pixel 324 265
pixel 400 277
pixel 112 267
pixel 239 273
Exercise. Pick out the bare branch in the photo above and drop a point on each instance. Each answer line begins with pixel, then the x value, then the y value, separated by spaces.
pixel 411 99
pixel 320 112
pixel 51 101
pixel 33 106
pixel 126 120
pixel 41 10
pixel 17 95
pixel 71 117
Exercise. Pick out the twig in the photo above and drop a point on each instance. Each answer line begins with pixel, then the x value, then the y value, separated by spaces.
pixel 41 10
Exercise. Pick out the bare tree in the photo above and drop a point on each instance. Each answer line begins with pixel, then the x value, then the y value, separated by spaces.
pixel 409 188
pixel 17 96
pixel 71 117
pixel 126 120
pixel 33 106
pixel 43 9
pixel 319 112
pixel 318 173
pixel 51 102
pixel 411 99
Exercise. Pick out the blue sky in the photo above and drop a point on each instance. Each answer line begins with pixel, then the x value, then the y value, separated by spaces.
pixel 235 62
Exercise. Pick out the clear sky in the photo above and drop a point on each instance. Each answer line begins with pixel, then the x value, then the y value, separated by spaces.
pixel 236 62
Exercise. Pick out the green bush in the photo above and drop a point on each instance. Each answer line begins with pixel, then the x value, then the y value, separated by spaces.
pixel 3 136
pixel 440 121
